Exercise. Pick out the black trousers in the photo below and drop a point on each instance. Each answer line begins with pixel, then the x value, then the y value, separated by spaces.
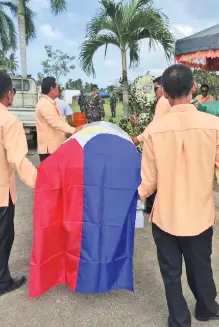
pixel 43 156
pixel 149 202
pixel 113 111
pixel 6 242
pixel 196 251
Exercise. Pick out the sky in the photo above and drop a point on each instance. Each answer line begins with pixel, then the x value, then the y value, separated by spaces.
pixel 67 32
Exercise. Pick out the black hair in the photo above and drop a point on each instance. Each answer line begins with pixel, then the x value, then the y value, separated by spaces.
pixel 5 84
pixel 94 86
pixel 205 85
pixel 177 81
pixel 47 83
pixel 158 80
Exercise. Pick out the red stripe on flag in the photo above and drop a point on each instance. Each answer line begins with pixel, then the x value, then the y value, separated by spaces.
pixel 58 220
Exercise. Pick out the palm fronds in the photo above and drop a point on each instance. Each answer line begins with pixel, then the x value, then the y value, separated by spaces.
pixel 127 22
pixel 90 46
pixel 8 36
pixel 58 6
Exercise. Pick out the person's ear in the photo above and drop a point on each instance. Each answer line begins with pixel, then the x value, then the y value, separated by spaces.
pixel 10 96
pixel 165 94
pixel 194 88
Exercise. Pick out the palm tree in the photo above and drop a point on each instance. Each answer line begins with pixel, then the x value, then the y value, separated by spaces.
pixel 124 24
pixel 8 37
pixel 8 63
pixel 26 25
pixel 13 64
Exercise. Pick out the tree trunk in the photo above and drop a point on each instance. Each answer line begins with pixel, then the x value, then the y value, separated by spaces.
pixel 22 37
pixel 125 86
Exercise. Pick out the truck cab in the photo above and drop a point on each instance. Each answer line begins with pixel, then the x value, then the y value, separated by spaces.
pixel 24 104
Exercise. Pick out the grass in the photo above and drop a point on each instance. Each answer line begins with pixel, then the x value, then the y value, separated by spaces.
pixel 119 115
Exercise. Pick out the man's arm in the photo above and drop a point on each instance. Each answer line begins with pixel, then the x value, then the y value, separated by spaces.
pixel 148 169
pixel 68 113
pixel 15 144
pixel 49 114
pixel 140 138
pixel 70 120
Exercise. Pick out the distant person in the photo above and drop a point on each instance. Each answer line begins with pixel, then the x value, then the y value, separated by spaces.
pixel 204 96
pixel 180 154
pixel 113 102
pixel 13 151
pixel 162 108
pixel 95 108
pixel 64 108
pixel 51 128
pixel 82 102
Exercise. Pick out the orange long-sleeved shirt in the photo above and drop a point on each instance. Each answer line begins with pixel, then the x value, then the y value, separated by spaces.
pixel 208 98
pixel 51 128
pixel 13 151
pixel 180 155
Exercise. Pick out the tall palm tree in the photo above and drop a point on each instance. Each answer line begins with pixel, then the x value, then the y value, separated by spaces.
pixel 26 25
pixel 8 37
pixel 124 24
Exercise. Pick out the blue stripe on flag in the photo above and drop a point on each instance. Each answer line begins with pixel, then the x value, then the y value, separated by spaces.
pixel 111 178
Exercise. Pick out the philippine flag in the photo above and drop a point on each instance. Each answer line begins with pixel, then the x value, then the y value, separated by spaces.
pixel 84 213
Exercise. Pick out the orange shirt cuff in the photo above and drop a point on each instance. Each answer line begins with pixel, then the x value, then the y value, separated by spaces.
pixel 145 192
pixel 27 173
pixel 140 138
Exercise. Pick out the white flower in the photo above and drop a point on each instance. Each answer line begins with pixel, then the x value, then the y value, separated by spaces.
pixel 143 92
pixel 144 118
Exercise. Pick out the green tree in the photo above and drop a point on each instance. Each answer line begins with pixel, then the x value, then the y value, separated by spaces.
pixel 40 77
pixel 74 85
pixel 9 63
pixel 88 87
pixel 210 78
pixel 111 88
pixel 4 62
pixel 26 26
pixel 124 24
pixel 58 63
pixel 8 39
pixel 13 64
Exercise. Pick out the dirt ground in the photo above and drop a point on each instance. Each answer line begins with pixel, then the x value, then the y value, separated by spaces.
pixel 60 307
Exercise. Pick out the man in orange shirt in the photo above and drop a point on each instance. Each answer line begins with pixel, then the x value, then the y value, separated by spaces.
pixel 51 128
pixel 13 151
pixel 204 97
pixel 162 108
pixel 180 155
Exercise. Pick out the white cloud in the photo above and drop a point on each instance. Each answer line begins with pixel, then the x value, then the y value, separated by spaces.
pixel 74 18
pixel 110 63
pixel 50 32
pixel 185 30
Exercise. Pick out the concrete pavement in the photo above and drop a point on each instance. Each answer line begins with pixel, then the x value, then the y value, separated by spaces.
pixel 62 308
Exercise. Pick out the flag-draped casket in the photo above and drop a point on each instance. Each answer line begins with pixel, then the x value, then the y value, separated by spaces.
pixel 84 213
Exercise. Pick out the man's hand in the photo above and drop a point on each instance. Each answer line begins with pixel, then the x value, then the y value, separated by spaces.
pixel 197 104
pixel 102 118
pixel 135 140
pixel 79 128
